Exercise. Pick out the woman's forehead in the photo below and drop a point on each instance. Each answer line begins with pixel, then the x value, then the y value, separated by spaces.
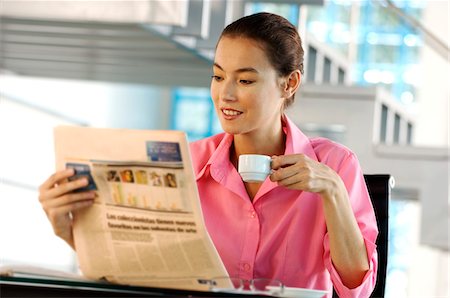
pixel 238 52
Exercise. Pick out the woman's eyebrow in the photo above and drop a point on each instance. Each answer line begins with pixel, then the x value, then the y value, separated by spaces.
pixel 244 69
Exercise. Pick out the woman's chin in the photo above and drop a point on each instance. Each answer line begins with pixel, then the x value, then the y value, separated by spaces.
pixel 236 128
pixel 232 129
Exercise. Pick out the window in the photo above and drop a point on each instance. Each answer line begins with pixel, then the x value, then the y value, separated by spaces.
pixel 404 224
pixel 383 127
pixel 385 43
pixel 330 23
pixel 327 70
pixel 289 11
pixel 397 127
pixel 409 133
pixel 341 76
pixel 312 58
pixel 193 112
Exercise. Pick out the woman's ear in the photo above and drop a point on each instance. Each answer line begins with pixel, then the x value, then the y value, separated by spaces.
pixel 291 83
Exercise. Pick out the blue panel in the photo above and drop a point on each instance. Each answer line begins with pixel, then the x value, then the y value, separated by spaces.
pixel 193 112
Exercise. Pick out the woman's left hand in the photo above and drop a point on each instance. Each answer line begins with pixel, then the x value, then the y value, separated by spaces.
pixel 298 171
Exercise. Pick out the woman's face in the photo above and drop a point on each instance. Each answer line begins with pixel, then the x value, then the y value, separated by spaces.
pixel 245 88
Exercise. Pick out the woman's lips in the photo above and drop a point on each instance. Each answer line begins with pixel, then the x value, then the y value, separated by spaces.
pixel 230 114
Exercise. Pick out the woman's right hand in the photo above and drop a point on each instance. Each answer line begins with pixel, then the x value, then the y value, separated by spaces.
pixel 58 201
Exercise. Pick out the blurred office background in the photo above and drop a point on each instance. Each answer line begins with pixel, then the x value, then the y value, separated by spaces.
pixel 377 80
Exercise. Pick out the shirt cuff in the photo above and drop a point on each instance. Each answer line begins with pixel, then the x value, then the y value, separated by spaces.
pixel 368 283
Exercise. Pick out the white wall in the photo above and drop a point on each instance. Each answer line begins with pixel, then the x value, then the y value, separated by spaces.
pixel 432 126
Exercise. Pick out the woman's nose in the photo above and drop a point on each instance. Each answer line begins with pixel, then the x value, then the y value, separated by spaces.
pixel 228 91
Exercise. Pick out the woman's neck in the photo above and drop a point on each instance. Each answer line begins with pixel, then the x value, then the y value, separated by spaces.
pixel 270 142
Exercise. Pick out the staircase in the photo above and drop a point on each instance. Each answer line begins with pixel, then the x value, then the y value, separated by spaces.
pixel 162 43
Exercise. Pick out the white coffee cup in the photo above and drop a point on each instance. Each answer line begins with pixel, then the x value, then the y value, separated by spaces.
pixel 254 167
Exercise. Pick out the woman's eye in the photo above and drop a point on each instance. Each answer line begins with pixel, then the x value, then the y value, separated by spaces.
pixel 217 78
pixel 246 82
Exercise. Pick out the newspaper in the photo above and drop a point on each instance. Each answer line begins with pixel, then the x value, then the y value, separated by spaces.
pixel 145 227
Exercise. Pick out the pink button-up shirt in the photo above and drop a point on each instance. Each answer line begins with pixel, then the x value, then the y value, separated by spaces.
pixel 281 234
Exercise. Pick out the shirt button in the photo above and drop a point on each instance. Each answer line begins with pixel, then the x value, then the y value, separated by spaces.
pixel 253 214
pixel 247 267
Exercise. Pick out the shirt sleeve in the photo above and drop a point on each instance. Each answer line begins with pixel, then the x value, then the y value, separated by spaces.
pixel 353 178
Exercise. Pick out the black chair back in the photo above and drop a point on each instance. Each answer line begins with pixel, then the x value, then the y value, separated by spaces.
pixel 380 187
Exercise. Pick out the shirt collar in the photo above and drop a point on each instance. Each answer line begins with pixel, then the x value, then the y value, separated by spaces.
pixel 220 157
pixel 296 142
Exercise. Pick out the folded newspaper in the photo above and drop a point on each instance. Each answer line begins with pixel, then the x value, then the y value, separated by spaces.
pixel 145 227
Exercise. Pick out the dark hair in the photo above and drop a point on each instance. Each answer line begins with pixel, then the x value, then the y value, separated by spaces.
pixel 279 38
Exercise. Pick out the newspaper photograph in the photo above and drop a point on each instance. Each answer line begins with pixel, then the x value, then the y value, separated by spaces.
pixel 145 227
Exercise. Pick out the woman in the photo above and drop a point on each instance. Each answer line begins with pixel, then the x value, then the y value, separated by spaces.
pixel 311 224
